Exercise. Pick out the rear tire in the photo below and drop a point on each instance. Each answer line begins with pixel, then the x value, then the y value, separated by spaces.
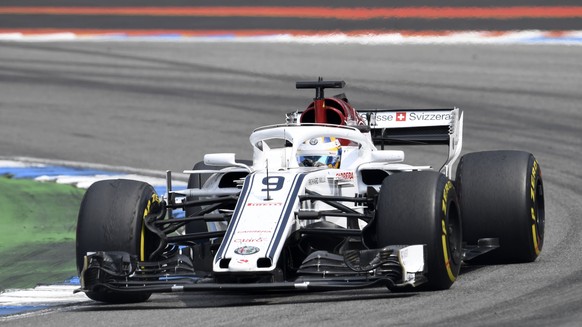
pixel 501 195
pixel 111 219
pixel 422 208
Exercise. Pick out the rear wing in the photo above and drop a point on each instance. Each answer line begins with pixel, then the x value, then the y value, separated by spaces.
pixel 417 126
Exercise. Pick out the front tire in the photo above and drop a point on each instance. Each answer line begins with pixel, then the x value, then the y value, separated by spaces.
pixel 111 218
pixel 422 208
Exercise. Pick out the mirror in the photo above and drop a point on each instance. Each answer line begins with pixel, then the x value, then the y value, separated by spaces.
pixel 220 159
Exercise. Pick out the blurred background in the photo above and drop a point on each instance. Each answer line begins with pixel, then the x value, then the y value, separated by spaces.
pixel 301 17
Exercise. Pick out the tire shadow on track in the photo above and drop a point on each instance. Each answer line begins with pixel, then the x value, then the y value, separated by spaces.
pixel 213 300
pixel 208 300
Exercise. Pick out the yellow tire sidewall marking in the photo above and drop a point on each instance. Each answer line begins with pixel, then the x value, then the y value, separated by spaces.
pixel 533 197
pixel 446 256
pixel 154 199
pixel 444 208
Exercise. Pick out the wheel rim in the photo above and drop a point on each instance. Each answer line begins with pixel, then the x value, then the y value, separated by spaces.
pixel 454 239
pixel 540 219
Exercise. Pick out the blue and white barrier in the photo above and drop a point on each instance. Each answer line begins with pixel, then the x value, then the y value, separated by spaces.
pixel 22 301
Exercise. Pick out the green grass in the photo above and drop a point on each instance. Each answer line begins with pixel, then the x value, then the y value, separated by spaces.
pixel 37 232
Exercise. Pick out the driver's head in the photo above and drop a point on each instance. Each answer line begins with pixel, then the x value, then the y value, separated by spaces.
pixel 321 151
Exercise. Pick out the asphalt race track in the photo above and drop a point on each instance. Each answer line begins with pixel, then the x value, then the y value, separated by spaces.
pixel 163 105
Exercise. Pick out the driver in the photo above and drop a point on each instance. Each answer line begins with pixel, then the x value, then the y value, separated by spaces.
pixel 320 152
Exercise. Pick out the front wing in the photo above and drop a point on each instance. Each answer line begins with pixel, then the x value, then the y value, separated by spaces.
pixel 391 267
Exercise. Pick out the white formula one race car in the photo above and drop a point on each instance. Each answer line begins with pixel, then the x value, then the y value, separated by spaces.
pixel 326 203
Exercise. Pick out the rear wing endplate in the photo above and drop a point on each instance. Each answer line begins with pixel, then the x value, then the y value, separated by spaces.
pixel 417 126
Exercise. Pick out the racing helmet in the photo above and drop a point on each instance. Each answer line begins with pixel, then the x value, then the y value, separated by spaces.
pixel 320 152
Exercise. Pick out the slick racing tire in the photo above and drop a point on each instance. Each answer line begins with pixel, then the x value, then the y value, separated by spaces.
pixel 501 195
pixel 111 218
pixel 422 208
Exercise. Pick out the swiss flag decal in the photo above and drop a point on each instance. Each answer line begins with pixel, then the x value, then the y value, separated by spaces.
pixel 401 116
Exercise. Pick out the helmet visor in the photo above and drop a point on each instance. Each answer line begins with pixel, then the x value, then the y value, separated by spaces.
pixel 319 161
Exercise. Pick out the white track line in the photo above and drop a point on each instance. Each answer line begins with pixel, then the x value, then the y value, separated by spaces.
pixel 462 37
